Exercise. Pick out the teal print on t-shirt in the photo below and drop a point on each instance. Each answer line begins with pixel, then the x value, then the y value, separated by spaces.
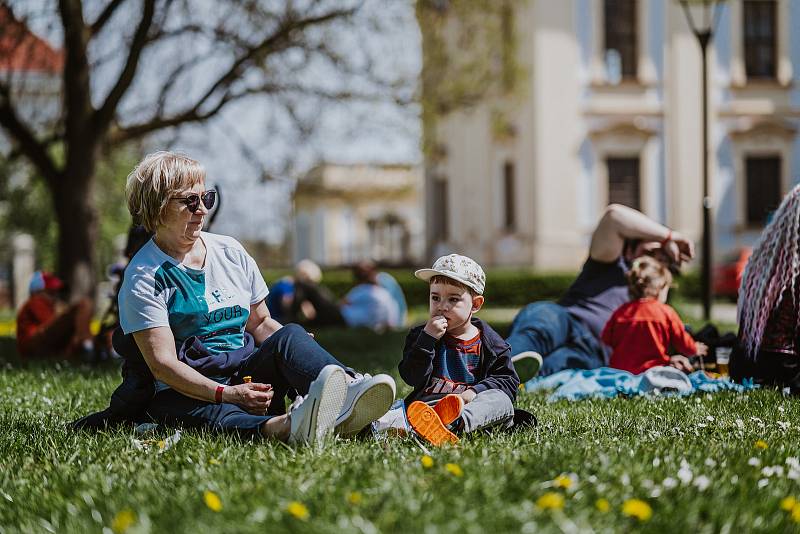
pixel 189 311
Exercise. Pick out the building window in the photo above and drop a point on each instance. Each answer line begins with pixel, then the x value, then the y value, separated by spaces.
pixel 623 182
pixel 509 197
pixel 440 211
pixel 760 43
pixel 763 188
pixel 620 38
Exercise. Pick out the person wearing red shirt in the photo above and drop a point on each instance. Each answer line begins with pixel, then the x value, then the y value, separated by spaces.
pixel 645 331
pixel 46 328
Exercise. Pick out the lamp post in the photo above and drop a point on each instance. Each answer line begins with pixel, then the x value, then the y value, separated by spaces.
pixel 702 27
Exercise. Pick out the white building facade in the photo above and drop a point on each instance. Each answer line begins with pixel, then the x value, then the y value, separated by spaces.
pixel 612 113
pixel 348 213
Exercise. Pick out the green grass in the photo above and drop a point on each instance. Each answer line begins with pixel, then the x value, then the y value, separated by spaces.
pixel 52 479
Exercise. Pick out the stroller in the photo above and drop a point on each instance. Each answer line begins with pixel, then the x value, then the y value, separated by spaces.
pixel 138 236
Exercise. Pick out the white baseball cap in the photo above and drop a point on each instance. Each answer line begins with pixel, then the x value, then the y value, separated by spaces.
pixel 459 268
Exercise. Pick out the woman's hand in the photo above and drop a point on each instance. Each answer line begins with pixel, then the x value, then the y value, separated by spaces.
pixel 681 363
pixel 253 397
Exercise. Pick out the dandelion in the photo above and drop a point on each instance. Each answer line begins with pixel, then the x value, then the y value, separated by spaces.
pixel 355 498
pixel 123 521
pixel 454 470
pixel 602 505
pixel 562 481
pixel 637 508
pixel 214 461
pixel 788 503
pixel 426 461
pixel 298 510
pixel 550 501
pixel 761 444
pixel 212 500
pixel 796 513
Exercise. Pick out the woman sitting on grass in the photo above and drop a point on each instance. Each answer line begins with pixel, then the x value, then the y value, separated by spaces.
pixel 188 290
pixel 642 332
pixel 769 303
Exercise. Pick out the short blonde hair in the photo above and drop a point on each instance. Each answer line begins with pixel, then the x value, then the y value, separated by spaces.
pixel 647 278
pixel 157 178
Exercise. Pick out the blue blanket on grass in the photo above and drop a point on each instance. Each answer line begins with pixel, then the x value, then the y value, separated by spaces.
pixel 577 384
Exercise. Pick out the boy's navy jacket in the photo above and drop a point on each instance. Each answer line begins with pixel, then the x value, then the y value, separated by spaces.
pixel 496 370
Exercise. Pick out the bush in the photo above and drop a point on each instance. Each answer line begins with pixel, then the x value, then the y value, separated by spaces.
pixel 504 287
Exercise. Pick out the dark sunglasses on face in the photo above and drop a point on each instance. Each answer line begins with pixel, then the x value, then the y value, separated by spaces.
pixel 208 198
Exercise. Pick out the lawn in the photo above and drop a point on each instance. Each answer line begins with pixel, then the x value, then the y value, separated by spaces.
pixel 707 463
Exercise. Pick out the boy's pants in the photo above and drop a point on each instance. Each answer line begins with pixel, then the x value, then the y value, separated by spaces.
pixel 488 409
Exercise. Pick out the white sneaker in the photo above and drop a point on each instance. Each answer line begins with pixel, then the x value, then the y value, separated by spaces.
pixel 314 415
pixel 368 399
pixel 527 364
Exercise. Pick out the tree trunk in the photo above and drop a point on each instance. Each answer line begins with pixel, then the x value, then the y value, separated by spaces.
pixel 77 225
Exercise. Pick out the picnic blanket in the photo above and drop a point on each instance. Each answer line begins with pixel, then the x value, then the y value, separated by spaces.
pixel 605 382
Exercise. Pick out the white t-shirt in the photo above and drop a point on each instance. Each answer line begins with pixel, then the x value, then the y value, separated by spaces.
pixel 212 303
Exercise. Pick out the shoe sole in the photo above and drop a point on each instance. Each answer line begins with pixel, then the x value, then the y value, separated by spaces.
pixel 371 405
pixel 426 422
pixel 449 408
pixel 327 394
pixel 527 366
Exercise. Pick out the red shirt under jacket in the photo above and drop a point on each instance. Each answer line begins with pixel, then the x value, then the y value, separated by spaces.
pixel 643 333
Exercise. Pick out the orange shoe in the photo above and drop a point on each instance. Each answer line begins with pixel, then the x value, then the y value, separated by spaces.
pixel 449 408
pixel 426 422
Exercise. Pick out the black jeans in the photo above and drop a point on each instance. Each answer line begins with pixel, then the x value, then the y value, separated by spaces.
pixel 289 360
pixel 769 369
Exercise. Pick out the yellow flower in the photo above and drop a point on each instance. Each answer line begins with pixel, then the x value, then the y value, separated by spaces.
pixel 427 461
pixel 602 505
pixel 761 444
pixel 355 498
pixel 638 509
pixel 298 510
pixel 550 501
pixel 454 470
pixel 214 461
pixel 796 513
pixel 788 503
pixel 212 500
pixel 562 481
pixel 162 444
pixel 123 521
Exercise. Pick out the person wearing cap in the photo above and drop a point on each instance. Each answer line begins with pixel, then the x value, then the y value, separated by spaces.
pixel 459 367
pixel 194 305
pixel 566 334
pixel 46 328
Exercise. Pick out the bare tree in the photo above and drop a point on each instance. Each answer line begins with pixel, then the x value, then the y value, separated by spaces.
pixel 135 67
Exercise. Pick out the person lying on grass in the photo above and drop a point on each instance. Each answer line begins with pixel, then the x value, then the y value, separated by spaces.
pixel 642 332
pixel 459 367
pixel 188 291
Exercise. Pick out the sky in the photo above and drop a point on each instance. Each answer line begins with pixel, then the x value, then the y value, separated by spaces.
pixel 247 138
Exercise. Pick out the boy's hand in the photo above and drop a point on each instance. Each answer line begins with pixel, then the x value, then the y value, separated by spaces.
pixel 681 363
pixel 436 326
pixel 468 395
pixel 702 348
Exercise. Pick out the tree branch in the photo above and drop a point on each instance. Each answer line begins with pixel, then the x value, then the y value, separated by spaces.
pixel 35 151
pixel 107 111
pixel 105 16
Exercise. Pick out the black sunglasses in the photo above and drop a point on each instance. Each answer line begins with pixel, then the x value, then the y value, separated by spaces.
pixel 193 201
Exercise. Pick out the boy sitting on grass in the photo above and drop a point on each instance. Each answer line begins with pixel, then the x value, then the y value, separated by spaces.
pixel 459 367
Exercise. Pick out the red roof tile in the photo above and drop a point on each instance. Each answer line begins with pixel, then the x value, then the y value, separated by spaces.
pixel 22 51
